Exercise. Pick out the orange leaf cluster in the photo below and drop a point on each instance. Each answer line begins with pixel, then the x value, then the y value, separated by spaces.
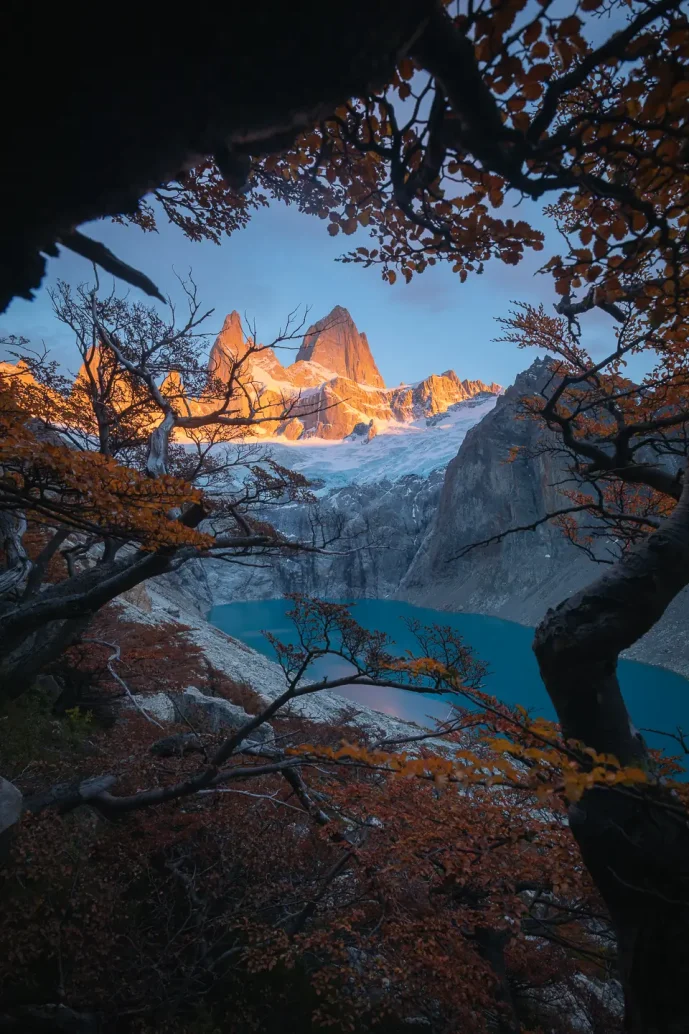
pixel 88 491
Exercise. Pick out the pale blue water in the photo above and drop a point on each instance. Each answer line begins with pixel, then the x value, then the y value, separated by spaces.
pixel 656 698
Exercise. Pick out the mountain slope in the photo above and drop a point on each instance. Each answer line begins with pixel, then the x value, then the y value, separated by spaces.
pixel 418 447
pixel 485 493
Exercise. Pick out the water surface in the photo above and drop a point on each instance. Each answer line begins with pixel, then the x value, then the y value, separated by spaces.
pixel 656 698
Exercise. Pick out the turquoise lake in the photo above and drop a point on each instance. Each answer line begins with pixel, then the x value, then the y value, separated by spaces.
pixel 656 698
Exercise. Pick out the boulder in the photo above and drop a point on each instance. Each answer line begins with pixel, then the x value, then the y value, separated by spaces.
pixel 49 688
pixel 158 705
pixel 182 743
pixel 218 713
pixel 360 430
pixel 363 430
pixel 11 804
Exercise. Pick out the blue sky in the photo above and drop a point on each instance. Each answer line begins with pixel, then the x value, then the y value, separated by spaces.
pixel 284 259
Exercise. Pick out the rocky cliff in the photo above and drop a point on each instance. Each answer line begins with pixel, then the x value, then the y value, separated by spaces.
pixel 485 491
pixel 518 579
pixel 377 529
pixel 335 344
pixel 336 381
pixel 334 410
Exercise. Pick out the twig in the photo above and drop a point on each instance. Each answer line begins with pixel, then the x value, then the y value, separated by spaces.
pixel 258 796
pixel 115 656
pixel 310 907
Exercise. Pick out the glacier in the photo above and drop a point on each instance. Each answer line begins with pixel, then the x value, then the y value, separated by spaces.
pixel 397 451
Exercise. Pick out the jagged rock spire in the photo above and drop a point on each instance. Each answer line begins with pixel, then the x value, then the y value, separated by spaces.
pixel 335 343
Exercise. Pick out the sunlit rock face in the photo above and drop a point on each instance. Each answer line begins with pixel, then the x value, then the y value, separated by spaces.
pixel 340 404
pixel 332 385
pixel 335 343
pixel 291 429
pixel 229 346
pixel 435 394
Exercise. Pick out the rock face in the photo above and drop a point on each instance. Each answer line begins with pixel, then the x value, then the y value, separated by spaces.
pixel 521 577
pixel 228 346
pixel 335 343
pixel 435 394
pixel 483 494
pixel 262 375
pixel 339 405
pixel 378 528
pixel 337 381
pixel 291 429
pixel 333 385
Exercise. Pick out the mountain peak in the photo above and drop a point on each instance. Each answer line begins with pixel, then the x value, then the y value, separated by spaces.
pixel 233 321
pixel 228 345
pixel 231 337
pixel 340 313
pixel 337 345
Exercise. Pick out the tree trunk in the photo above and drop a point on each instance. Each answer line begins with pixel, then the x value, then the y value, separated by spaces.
pixel 635 846
pixel 35 632
pixel 491 946
pixel 20 665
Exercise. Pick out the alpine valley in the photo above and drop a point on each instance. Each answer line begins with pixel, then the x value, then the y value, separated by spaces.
pixel 404 478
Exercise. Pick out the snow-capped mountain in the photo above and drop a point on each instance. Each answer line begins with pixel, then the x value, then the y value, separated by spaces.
pixel 375 457
pixel 333 388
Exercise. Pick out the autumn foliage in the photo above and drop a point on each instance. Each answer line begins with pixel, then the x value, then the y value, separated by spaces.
pixel 360 887
pixel 93 493
pixel 409 891
pixel 352 913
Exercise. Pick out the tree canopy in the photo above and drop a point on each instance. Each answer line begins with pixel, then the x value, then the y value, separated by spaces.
pixel 429 121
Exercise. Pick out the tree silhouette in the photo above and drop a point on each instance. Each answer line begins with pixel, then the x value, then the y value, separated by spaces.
pixel 483 104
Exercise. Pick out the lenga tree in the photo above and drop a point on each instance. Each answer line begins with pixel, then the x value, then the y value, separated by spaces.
pixel 583 107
